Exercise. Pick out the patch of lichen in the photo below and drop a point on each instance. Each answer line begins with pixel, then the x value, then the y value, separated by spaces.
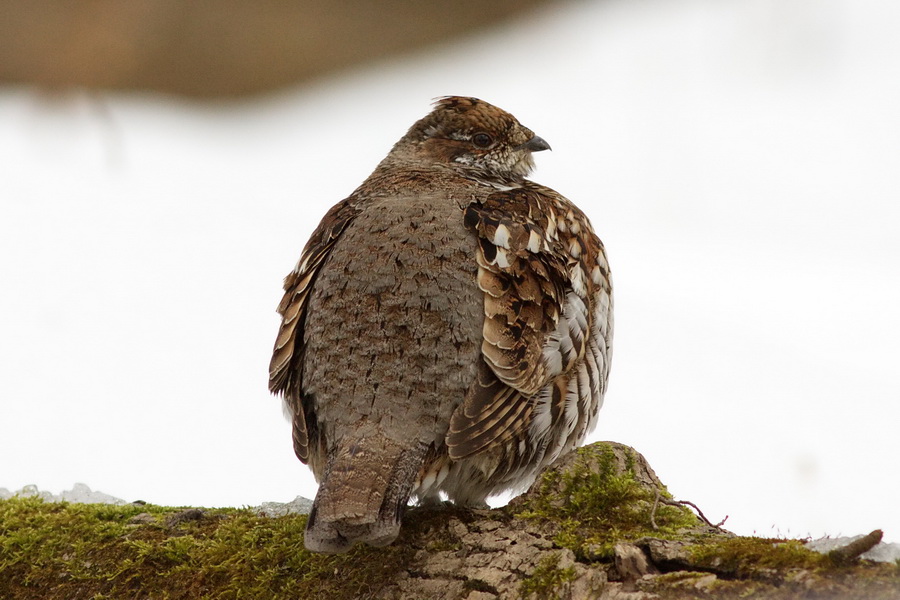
pixel 60 551
pixel 594 509
pixel 547 580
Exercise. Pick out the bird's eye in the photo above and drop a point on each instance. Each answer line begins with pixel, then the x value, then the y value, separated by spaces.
pixel 482 140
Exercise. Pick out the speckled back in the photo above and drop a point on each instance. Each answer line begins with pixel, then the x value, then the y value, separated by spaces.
pixel 393 331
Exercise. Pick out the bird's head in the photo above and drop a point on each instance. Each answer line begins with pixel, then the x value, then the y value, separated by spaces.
pixel 473 137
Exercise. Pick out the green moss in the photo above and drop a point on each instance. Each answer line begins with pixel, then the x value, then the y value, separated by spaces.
pixel 861 582
pixel 60 551
pixel 547 580
pixel 444 544
pixel 747 557
pixel 593 509
pixel 55 551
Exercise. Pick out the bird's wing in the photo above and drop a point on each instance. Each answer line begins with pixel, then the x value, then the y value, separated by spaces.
pixel 547 318
pixel 285 372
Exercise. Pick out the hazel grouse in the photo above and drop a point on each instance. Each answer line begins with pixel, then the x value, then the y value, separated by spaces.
pixel 447 330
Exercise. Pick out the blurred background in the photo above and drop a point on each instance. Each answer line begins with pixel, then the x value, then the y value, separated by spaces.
pixel 163 163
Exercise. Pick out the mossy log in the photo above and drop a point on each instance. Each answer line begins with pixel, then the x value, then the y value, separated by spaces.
pixel 597 525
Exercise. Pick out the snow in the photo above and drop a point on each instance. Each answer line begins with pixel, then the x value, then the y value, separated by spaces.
pixel 80 493
pixel 298 505
pixel 738 158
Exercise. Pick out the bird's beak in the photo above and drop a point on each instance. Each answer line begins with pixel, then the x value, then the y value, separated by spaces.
pixel 535 144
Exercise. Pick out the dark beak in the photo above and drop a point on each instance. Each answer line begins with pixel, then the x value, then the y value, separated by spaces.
pixel 535 144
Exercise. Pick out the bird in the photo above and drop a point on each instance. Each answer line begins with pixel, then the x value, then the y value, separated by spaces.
pixel 447 331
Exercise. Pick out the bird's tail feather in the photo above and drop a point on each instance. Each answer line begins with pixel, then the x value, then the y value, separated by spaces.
pixel 362 496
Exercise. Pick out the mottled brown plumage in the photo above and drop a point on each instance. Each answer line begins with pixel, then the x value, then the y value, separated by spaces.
pixel 447 330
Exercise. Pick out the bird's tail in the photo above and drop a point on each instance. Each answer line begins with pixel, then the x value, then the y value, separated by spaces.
pixel 362 496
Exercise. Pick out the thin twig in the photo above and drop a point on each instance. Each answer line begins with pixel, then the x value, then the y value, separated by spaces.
pixel 659 499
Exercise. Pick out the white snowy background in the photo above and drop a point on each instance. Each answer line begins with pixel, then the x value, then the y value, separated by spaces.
pixel 740 159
